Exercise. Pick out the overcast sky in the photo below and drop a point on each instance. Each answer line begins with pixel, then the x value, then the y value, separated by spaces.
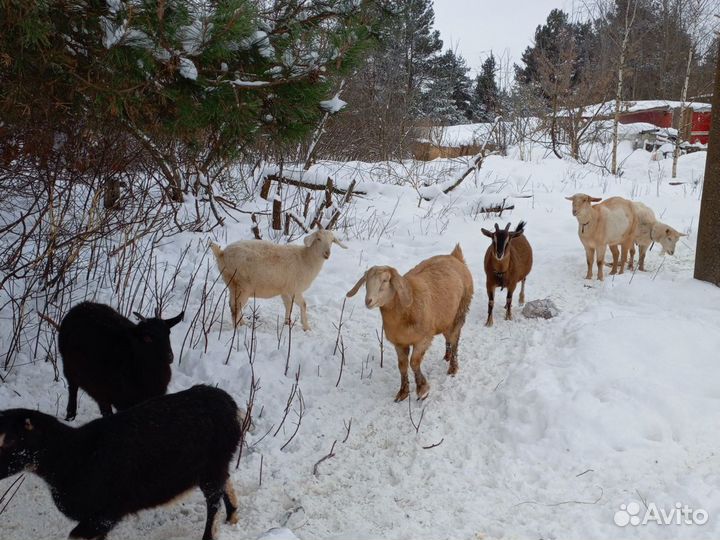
pixel 475 27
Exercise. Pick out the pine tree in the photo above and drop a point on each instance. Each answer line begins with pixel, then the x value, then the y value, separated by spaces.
pixel 486 98
pixel 448 98
pixel 190 81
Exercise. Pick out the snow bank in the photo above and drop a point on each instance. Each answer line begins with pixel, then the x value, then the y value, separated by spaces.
pixel 550 425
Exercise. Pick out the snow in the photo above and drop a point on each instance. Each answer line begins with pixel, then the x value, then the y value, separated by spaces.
pixel 549 426
pixel 333 105
pixel 188 69
pixel 459 135
pixel 608 107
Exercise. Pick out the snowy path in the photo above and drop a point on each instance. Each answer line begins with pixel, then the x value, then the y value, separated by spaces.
pixel 547 429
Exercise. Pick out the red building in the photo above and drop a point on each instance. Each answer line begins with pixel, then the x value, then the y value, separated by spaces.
pixel 694 127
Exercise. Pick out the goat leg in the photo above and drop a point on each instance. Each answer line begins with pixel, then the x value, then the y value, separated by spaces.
pixel 615 257
pixel 623 257
pixel 491 304
pixel 402 354
pixel 72 401
pixel 231 503
pixel 600 261
pixel 213 496
pixel 508 303
pixel 589 257
pixel 421 384
pixel 96 528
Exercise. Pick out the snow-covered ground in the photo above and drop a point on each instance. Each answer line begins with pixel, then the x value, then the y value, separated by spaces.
pixel 550 425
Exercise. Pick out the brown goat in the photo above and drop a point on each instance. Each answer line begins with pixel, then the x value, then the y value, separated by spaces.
pixel 432 298
pixel 507 260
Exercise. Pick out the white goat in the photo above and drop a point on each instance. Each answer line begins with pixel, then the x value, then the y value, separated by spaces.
pixel 650 230
pixel 609 223
pixel 260 269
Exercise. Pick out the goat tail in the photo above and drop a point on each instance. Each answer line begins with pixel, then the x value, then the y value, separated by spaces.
pixel 458 254
pixel 520 227
pixel 217 251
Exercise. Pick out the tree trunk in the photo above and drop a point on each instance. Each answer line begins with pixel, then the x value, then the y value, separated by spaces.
pixel 681 122
pixel 707 253
pixel 618 94
pixel 111 193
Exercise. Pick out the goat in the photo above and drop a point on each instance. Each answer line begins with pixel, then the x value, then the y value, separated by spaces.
pixel 117 362
pixel 609 223
pixel 432 298
pixel 650 230
pixel 508 260
pixel 137 459
pixel 260 269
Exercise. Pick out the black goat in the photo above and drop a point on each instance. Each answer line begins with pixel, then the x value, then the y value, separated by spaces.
pixel 136 459
pixel 116 361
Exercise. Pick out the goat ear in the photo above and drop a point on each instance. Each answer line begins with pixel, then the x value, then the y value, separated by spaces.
pixel 356 287
pixel 595 199
pixel 569 198
pixel 310 239
pixel 173 321
pixel 402 288
pixel 139 317
pixel 338 242
pixel 486 233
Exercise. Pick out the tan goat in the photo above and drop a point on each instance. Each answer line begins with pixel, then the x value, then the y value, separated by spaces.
pixel 611 223
pixel 508 260
pixel 432 298
pixel 650 230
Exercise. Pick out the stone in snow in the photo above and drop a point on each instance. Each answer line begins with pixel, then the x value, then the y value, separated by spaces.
pixel 544 308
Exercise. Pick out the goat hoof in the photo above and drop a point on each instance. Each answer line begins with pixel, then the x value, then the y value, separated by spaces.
pixel 232 519
pixel 306 328
pixel 423 392
pixel 70 417
pixel 402 395
pixel 489 323
pixel 453 369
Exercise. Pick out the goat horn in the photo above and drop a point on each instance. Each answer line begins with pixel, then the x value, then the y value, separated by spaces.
pixel 507 227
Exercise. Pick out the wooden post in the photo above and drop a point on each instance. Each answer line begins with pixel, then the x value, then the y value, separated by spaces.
pixel 277 209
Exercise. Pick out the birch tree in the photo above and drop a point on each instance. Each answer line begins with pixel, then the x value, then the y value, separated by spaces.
pixel 630 11
pixel 700 28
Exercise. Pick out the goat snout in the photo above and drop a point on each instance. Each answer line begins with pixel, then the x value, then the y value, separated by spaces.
pixel 370 302
pixel 574 212
pixel 326 253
